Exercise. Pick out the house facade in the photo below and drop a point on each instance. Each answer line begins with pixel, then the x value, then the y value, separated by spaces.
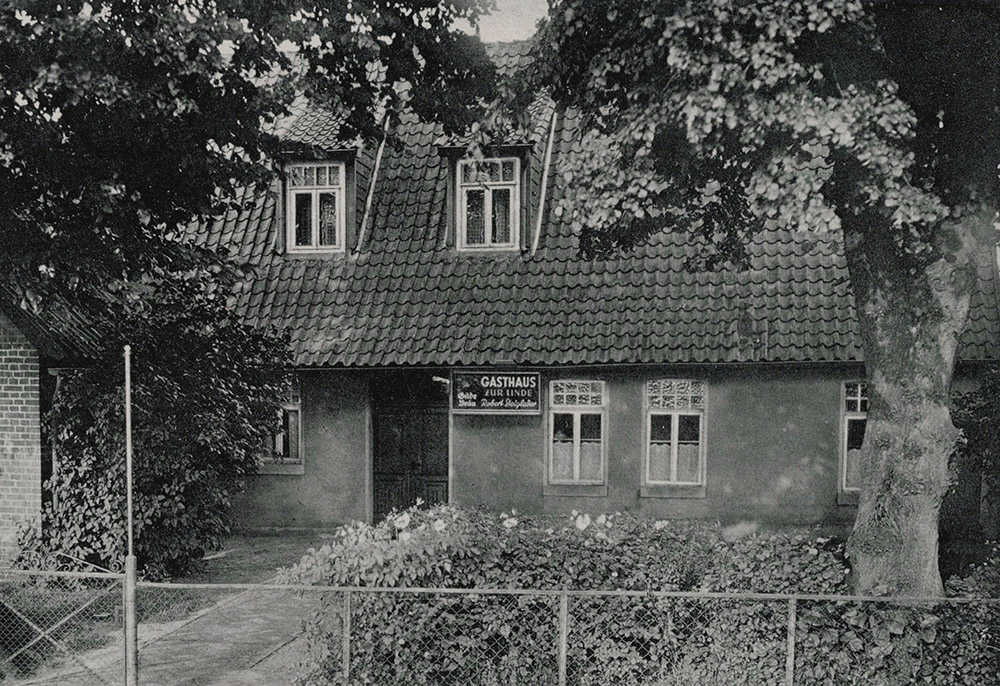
pixel 451 345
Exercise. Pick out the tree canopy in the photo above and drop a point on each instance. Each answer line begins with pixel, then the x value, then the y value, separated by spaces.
pixel 871 124
pixel 121 121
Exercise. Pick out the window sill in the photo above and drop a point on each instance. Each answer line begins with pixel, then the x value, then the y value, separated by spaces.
pixel 672 491
pixel 279 468
pixel 847 497
pixel 314 252
pixel 576 490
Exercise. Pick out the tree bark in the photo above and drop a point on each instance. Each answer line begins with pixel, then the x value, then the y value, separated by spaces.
pixel 911 310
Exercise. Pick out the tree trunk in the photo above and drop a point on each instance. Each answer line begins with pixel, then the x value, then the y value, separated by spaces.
pixel 912 310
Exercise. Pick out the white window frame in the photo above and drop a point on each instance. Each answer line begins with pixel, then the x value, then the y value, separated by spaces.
pixel 577 410
pixel 692 409
pixel 275 463
pixel 339 191
pixel 462 188
pixel 846 417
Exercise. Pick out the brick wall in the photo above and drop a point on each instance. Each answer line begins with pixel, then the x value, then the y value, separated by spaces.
pixel 20 449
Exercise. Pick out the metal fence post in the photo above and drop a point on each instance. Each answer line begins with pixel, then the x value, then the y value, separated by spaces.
pixel 131 633
pixel 563 636
pixel 346 645
pixel 790 655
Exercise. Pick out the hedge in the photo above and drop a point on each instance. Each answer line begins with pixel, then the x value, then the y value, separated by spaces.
pixel 640 640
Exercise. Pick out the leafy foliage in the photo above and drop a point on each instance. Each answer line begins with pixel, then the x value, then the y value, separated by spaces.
pixel 121 121
pixel 842 123
pixel 484 639
pixel 197 373
pixel 725 118
pixel 616 638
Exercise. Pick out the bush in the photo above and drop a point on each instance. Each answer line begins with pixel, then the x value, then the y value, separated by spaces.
pixel 487 639
pixel 640 640
pixel 205 394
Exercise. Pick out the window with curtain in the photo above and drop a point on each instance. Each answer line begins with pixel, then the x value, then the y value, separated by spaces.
pixel 577 432
pixel 488 202
pixel 675 431
pixel 855 417
pixel 315 207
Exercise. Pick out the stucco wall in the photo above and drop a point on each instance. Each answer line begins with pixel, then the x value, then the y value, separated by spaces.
pixel 20 453
pixel 772 448
pixel 771 434
pixel 334 488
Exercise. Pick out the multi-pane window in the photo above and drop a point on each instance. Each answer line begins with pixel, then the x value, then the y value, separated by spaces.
pixel 577 432
pixel 287 448
pixel 315 207
pixel 855 417
pixel 488 202
pixel 675 429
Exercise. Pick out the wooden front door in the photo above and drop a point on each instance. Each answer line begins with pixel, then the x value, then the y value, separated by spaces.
pixel 410 446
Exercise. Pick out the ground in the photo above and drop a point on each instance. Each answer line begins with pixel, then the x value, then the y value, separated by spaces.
pixel 227 636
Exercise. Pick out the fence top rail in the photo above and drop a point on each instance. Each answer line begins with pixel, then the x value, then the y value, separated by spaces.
pixel 66 574
pixel 578 593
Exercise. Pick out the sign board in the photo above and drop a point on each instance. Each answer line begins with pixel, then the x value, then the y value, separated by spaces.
pixel 496 392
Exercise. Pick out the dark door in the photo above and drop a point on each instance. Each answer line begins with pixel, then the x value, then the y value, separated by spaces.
pixel 410 442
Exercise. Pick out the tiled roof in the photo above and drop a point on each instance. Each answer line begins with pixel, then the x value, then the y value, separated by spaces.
pixel 406 297
pixel 59 331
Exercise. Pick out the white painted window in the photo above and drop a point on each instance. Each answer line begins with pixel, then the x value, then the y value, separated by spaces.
pixel 315 207
pixel 577 432
pixel 675 432
pixel 288 439
pixel 489 202
pixel 855 417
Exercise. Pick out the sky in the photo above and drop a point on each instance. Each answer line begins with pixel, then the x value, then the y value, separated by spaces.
pixel 513 20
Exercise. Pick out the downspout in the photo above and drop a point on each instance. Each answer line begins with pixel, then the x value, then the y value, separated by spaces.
pixel 371 185
pixel 545 180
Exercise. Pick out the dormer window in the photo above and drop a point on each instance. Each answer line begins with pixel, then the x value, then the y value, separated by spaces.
pixel 489 204
pixel 315 207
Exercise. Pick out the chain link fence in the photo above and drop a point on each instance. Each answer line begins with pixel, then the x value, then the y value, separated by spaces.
pixel 60 628
pixel 67 629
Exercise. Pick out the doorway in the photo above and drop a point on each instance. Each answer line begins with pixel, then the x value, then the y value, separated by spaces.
pixel 409 440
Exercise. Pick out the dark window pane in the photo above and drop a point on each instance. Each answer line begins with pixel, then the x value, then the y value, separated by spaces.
pixel 590 427
pixel 689 428
pixel 501 215
pixel 508 170
pixel 660 428
pixel 328 219
pixel 303 219
pixel 475 220
pixel 310 174
pixel 291 453
pixel 855 433
pixel 562 427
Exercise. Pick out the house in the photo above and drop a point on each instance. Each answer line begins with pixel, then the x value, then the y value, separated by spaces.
pixel 451 345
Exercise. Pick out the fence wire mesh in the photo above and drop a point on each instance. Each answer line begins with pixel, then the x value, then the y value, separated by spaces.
pixel 60 628
pixel 667 641
pixel 68 630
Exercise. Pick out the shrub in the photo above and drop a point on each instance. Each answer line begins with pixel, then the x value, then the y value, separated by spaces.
pixel 205 393
pixel 486 639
